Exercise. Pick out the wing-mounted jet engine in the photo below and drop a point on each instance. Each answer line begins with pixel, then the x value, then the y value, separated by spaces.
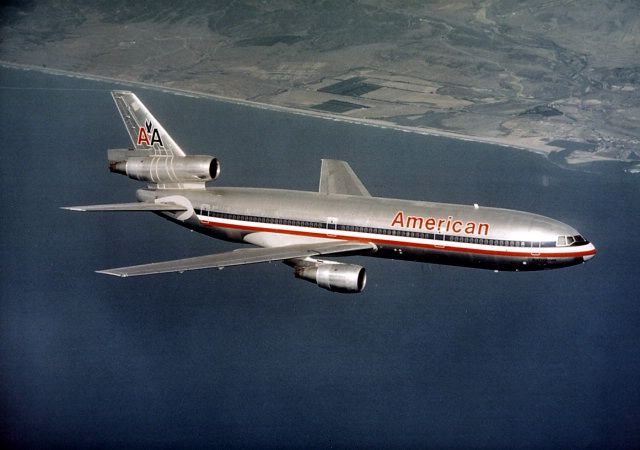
pixel 333 276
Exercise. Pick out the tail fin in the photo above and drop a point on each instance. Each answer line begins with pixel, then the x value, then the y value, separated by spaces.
pixel 145 131
pixel 155 157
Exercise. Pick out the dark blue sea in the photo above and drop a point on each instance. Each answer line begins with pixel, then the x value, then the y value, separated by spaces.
pixel 426 356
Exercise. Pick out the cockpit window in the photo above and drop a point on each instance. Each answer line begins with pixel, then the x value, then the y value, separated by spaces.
pixel 566 241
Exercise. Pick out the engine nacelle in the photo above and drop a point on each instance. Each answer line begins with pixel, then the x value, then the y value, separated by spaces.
pixel 168 169
pixel 335 277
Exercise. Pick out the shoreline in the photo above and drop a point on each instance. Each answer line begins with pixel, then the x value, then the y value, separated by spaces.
pixel 543 150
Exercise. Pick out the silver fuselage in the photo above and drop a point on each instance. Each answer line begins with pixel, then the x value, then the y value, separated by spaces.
pixel 488 238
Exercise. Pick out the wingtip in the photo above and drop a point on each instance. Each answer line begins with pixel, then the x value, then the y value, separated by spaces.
pixel 73 208
pixel 112 273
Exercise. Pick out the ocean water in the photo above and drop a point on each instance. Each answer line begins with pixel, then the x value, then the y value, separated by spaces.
pixel 425 356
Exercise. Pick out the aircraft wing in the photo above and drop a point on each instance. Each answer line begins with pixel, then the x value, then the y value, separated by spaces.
pixel 243 256
pixel 135 206
pixel 337 177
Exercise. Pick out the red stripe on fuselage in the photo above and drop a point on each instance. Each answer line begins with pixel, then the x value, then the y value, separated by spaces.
pixel 444 247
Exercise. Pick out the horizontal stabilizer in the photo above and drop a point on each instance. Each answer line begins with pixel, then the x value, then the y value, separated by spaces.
pixel 243 256
pixel 136 206
pixel 337 177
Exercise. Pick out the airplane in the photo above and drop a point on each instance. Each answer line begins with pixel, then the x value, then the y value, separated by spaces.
pixel 302 228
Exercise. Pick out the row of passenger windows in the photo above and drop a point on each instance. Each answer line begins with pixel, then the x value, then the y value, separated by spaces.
pixel 379 231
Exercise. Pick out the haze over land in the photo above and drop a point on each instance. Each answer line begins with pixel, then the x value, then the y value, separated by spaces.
pixel 531 74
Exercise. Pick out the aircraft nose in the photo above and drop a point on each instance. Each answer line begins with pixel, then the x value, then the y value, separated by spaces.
pixel 590 254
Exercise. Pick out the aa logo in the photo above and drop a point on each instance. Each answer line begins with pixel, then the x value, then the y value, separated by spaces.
pixel 149 135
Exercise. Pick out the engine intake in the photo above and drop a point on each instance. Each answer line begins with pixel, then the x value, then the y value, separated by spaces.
pixel 168 169
pixel 335 277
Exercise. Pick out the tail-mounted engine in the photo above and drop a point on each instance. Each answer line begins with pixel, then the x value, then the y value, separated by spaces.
pixel 336 277
pixel 165 171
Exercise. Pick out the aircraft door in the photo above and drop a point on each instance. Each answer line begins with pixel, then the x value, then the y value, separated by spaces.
pixel 439 238
pixel 332 225
pixel 535 248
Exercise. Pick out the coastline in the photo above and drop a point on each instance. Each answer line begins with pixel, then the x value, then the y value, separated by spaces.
pixel 540 149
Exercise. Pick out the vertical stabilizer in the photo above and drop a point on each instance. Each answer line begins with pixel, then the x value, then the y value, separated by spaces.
pixel 155 157
pixel 146 133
